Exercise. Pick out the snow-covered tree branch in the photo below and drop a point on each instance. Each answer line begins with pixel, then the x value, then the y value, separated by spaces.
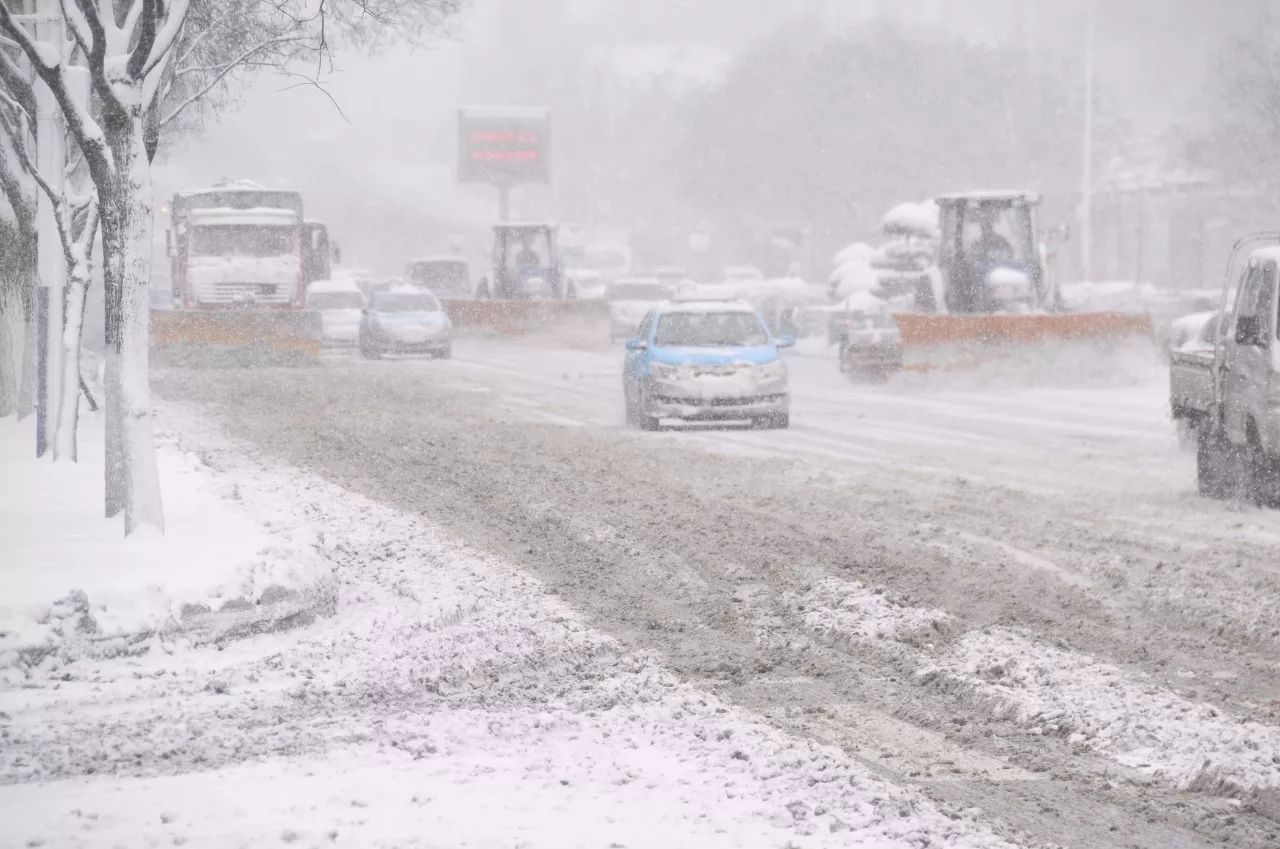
pixel 150 63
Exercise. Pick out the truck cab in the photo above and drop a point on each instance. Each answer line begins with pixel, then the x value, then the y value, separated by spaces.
pixel 1239 432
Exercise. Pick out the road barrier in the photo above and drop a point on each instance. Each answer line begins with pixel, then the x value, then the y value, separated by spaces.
pixel 516 318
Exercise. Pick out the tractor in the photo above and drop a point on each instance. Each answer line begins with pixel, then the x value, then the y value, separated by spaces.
pixel 526 264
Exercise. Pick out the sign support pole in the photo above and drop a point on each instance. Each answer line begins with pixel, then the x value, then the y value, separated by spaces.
pixel 504 202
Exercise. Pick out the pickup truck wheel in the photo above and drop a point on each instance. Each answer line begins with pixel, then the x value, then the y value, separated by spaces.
pixel 1212 464
pixel 1261 476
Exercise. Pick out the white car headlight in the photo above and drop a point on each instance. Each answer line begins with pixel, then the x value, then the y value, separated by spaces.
pixel 663 371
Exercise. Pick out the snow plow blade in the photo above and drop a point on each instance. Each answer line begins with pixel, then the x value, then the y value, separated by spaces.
pixel 516 318
pixel 235 337
pixel 944 342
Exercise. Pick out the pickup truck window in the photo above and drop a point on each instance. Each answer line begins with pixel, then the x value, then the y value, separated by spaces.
pixel 1257 293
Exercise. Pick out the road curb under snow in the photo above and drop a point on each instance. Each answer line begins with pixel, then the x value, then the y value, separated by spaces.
pixel 75 587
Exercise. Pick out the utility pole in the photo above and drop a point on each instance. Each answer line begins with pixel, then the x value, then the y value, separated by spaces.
pixel 1086 180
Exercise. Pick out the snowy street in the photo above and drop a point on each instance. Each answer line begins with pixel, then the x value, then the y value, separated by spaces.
pixel 831 584
pixel 589 424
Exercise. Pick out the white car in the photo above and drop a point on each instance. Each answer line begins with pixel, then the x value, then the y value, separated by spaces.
pixel 630 300
pixel 339 303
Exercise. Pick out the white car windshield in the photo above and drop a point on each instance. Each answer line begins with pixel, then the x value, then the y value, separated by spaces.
pixel 406 302
pixel 335 300
pixel 710 329
pixel 243 240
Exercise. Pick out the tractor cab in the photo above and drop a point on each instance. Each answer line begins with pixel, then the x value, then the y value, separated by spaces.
pixel 526 263
pixel 989 255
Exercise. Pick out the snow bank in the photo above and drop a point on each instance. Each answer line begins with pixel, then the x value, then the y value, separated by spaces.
pixel 848 611
pixel 70 575
pixel 1137 723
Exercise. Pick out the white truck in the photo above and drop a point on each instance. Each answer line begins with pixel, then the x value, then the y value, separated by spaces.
pixel 1231 394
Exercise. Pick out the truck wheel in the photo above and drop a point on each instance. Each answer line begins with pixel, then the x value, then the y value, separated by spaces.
pixel 1212 463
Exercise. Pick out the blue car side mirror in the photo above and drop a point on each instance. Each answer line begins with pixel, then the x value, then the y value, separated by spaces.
pixel 635 343
pixel 785 341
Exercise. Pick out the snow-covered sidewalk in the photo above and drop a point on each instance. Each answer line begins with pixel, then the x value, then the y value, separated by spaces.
pixel 73 583
pixel 449 701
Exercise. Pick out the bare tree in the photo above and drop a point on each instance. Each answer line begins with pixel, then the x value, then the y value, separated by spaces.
pixel 76 220
pixel 150 63
pixel 1241 135
pixel 17 262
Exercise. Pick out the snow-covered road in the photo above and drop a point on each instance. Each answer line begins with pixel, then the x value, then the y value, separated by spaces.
pixel 1003 592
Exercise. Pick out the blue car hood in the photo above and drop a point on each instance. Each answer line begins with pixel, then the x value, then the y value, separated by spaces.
pixel 721 355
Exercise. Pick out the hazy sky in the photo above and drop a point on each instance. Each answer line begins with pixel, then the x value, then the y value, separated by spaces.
pixel 382 177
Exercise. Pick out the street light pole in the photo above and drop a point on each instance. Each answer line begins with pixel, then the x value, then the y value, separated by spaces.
pixel 1086 180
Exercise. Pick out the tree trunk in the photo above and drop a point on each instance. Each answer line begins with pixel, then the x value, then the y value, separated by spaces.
pixel 30 338
pixel 132 479
pixel 17 326
pixel 12 323
pixel 68 419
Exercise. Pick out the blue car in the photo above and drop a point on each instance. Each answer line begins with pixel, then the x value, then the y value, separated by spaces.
pixel 405 320
pixel 706 362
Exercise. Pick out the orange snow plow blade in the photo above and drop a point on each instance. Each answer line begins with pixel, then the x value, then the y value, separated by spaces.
pixel 516 318
pixel 939 342
pixel 235 337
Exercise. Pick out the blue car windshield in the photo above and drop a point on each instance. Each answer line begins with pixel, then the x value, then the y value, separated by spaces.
pixel 710 329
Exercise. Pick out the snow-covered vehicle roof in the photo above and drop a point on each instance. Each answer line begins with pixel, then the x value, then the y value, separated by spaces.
pixel 1270 252
pixel 439 258
pixel 998 195
pixel 333 286
pixel 262 216
pixel 706 306
pixel 525 225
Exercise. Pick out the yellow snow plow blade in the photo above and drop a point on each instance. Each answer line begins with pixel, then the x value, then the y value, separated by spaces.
pixel 942 342
pixel 235 337
pixel 516 318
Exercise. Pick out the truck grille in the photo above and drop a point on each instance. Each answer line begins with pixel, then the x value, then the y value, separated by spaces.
pixel 229 293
